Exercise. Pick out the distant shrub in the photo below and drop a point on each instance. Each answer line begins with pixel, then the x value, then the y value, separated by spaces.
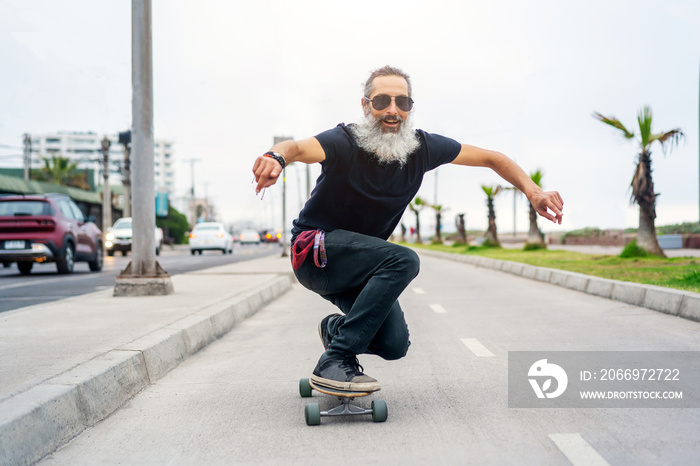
pixel 534 246
pixel 585 232
pixel 490 244
pixel 633 250
pixel 679 229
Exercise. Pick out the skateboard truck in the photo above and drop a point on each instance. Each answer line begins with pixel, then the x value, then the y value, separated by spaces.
pixel 313 411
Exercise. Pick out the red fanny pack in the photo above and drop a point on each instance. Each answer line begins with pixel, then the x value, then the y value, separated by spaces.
pixel 305 241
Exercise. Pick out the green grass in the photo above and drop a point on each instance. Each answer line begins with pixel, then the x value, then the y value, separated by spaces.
pixel 682 273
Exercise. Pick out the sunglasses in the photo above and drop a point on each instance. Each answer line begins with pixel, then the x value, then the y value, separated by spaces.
pixel 382 101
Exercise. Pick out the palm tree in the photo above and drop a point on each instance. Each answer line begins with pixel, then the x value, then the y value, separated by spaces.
pixel 461 228
pixel 491 233
pixel 534 235
pixel 642 185
pixel 416 206
pixel 60 170
pixel 438 222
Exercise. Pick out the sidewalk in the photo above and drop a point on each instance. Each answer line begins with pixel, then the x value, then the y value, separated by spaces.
pixel 66 365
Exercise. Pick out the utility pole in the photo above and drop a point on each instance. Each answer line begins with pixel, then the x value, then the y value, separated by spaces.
pixel 143 276
pixel 515 192
pixel 125 140
pixel 207 213
pixel 435 202
pixel 193 207
pixel 106 190
pixel 27 156
pixel 308 181
pixel 285 245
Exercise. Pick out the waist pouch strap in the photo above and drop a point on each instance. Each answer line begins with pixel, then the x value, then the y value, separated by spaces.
pixel 302 247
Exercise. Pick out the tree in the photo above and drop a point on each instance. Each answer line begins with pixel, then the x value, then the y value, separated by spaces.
pixel 175 226
pixel 461 228
pixel 416 206
pixel 491 233
pixel 438 222
pixel 642 185
pixel 535 240
pixel 60 170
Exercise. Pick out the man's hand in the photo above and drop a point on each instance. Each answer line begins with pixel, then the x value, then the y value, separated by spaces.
pixel 548 204
pixel 267 171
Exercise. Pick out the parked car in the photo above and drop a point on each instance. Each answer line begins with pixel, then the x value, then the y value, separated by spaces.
pixel 47 228
pixel 210 236
pixel 119 237
pixel 249 237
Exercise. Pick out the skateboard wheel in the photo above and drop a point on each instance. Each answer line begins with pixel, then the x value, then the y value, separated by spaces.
pixel 312 412
pixel 304 388
pixel 379 411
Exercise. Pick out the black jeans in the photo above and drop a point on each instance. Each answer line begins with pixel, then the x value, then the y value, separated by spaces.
pixel 364 278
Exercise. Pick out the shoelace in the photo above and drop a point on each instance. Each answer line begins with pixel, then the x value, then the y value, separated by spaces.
pixel 354 364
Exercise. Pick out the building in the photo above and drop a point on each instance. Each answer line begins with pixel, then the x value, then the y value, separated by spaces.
pixel 86 149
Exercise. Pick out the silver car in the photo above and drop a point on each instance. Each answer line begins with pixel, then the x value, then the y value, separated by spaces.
pixel 210 236
pixel 249 237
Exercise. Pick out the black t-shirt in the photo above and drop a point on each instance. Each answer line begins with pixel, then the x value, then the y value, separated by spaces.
pixel 356 192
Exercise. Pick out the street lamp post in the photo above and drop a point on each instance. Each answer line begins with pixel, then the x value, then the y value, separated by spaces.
pixel 193 207
pixel 106 190
pixel 125 140
pixel 285 245
pixel 143 276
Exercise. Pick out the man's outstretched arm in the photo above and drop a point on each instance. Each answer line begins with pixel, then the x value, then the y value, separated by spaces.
pixel 548 204
pixel 267 170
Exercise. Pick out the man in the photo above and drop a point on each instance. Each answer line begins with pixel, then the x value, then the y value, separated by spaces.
pixel 370 173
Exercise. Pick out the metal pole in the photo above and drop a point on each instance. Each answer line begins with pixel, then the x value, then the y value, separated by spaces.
pixel 125 140
pixel 436 187
pixel 106 191
pixel 143 192
pixel 284 213
pixel 192 207
pixel 285 244
pixel 127 182
pixel 308 181
pixel 515 192
pixel 27 155
pixel 143 276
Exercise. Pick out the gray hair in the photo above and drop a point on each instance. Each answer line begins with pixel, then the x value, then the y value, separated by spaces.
pixel 386 71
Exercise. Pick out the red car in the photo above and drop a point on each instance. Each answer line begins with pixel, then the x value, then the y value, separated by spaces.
pixel 47 228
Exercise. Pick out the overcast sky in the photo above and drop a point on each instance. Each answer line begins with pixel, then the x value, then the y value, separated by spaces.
pixel 519 77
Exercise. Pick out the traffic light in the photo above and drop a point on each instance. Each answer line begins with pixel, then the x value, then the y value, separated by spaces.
pixel 125 138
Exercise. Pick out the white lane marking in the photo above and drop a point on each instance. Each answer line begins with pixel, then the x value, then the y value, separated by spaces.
pixel 418 290
pixel 438 309
pixel 477 348
pixel 577 450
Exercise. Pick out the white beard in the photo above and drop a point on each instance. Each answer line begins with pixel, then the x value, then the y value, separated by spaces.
pixel 386 147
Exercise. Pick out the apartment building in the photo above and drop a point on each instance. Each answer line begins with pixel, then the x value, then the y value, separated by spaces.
pixel 86 149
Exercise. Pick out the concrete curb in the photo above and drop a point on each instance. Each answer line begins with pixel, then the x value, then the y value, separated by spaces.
pixel 36 422
pixel 679 303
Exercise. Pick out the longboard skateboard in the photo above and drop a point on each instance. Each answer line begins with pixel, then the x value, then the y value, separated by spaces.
pixel 313 412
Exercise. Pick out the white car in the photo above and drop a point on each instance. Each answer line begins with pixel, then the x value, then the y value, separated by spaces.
pixel 210 236
pixel 249 237
pixel 118 237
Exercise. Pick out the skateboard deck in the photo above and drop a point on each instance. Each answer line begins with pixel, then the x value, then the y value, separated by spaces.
pixel 337 392
pixel 313 413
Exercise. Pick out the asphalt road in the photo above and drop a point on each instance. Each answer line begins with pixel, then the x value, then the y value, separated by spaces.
pixel 44 284
pixel 237 401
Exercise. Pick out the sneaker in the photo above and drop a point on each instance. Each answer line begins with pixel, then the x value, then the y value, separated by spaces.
pixel 323 330
pixel 343 374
